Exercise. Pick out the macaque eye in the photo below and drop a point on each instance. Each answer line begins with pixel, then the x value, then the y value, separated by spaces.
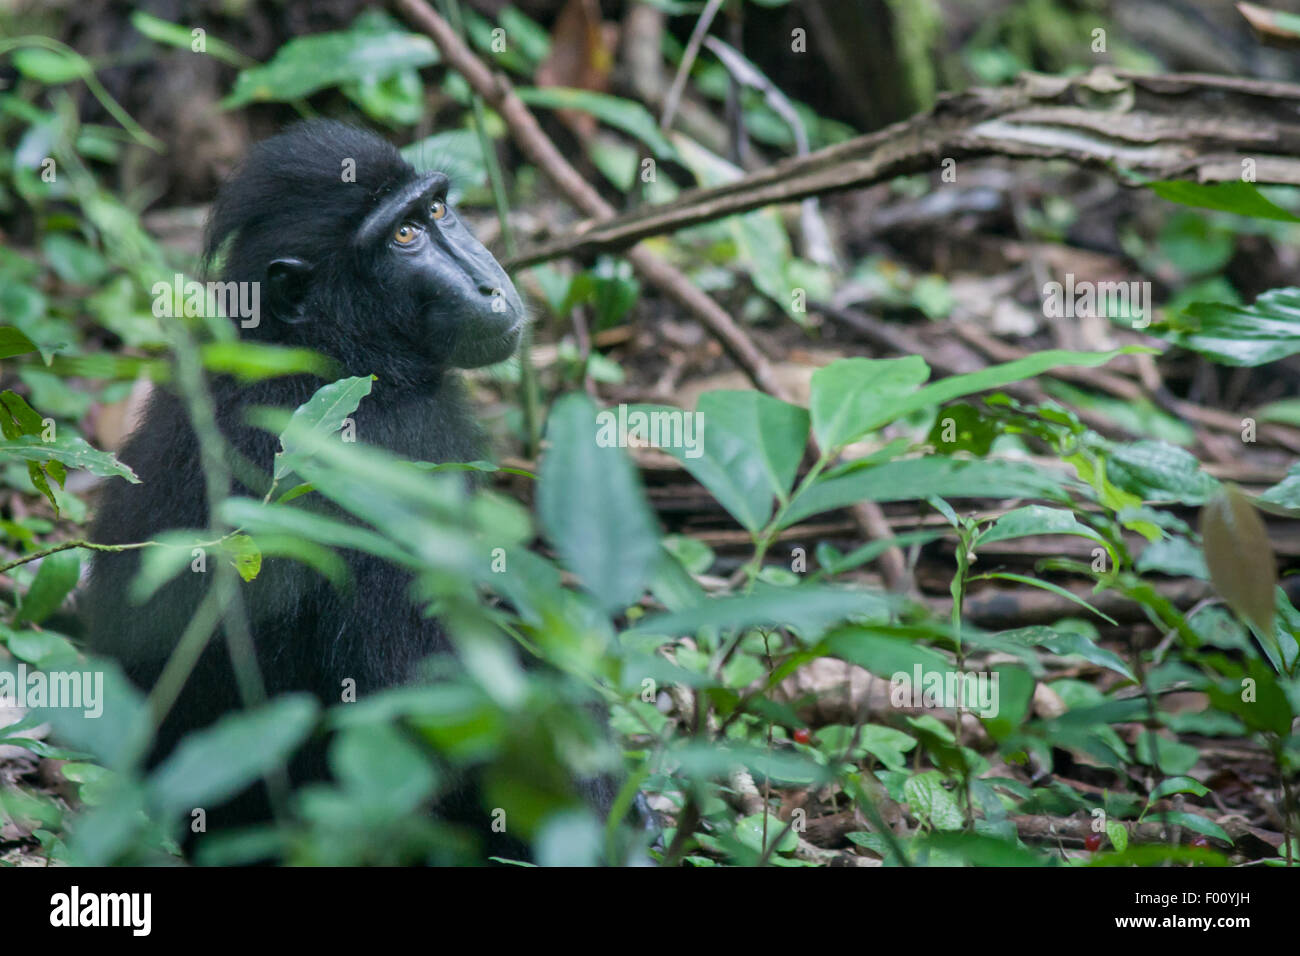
pixel 438 209
pixel 405 234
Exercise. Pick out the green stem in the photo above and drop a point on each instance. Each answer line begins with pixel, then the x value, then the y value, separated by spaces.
pixel 68 546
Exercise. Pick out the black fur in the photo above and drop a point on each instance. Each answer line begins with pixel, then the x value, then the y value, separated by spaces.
pixel 408 317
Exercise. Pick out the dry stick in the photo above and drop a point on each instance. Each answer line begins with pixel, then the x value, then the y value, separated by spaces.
pixel 1133 127
pixel 688 60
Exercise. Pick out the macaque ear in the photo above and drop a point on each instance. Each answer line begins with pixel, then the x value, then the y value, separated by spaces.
pixel 286 288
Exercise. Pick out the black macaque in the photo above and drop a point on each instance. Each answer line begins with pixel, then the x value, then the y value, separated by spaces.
pixel 359 258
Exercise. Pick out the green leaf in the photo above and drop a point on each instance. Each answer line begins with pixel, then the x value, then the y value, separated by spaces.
pixel 281 520
pixel 13 342
pixel 1118 835
pixel 382 767
pixel 931 803
pixel 243 553
pixel 182 38
pixel 69 451
pixel 1240 335
pixel 1156 471
pixel 1055 589
pixel 807 609
pixel 1194 822
pixel 1240 556
pixel 1066 643
pixel 250 361
pixel 593 509
pixel 853 396
pixel 55 579
pixel 980 849
pixel 1241 198
pixel 1034 520
pixel 73 260
pixel 1177 785
pixel 51 66
pixel 997 376
pixel 915 479
pixel 116 730
pixel 884 651
pixel 454 152
pixel 307 64
pixel 626 115
pixel 322 414
pixel 215 763
pixel 43 649
pixel 748 450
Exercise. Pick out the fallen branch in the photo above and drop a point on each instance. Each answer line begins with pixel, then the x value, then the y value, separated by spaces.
pixel 1135 127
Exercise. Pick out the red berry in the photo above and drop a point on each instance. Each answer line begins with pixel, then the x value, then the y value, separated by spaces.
pixel 1092 842
pixel 802 736
pixel 1200 841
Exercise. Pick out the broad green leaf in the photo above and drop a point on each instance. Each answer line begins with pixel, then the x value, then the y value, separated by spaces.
pixel 1286 492
pixel 1241 198
pixel 323 414
pixel 1248 335
pixel 114 726
pixel 748 448
pixel 40 648
pixel 931 802
pixel 1156 471
pixel 175 35
pixel 307 64
pixel 593 509
pixel 1177 785
pixel 626 115
pixel 382 767
pixel 1240 556
pixel 51 67
pixel 1034 520
pixel 808 609
pixel 271 519
pixel 1256 697
pixel 1066 643
pixel 13 342
pixel 73 260
pixel 997 376
pixel 250 361
pixel 916 479
pixel 853 396
pixel 980 849
pixel 1194 822
pixel 1174 556
pixel 885 651
pixel 54 581
pixel 1118 835
pixel 67 450
pixel 215 763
